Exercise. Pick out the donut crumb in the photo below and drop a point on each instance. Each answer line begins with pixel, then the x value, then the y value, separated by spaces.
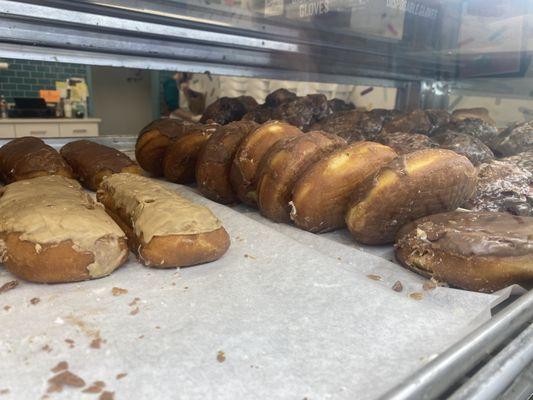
pixel 65 378
pixel 116 291
pixel 8 286
pixel 96 387
pixel 107 396
pixel 416 295
pixel 46 348
pixel 61 366
pixel 397 287
pixel 134 301
pixel 429 285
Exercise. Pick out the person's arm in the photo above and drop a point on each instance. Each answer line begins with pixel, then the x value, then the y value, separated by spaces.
pixel 186 115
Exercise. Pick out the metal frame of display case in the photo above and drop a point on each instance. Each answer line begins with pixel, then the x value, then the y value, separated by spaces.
pixel 89 33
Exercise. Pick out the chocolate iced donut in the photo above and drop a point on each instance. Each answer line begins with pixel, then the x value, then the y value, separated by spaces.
pixel 502 186
pixel 469 146
pixel 515 139
pixel 481 251
pixel 404 143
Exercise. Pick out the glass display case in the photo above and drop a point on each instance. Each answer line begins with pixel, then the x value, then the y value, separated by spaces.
pixel 404 55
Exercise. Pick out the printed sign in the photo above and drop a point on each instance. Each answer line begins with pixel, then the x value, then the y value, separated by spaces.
pixel 414 8
pixel 50 96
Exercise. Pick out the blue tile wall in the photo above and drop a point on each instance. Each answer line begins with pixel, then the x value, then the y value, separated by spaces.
pixel 24 78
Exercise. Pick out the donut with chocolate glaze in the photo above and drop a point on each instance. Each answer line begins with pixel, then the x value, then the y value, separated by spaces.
pixel 404 143
pixel 29 157
pixel 481 251
pixel 473 113
pixel 469 146
pixel 524 160
pixel 502 186
pixel 303 111
pixel 260 114
pixel 228 109
pixel 478 128
pixel 416 121
pixel 279 96
pixel 353 125
pixel 515 139
pixel 92 162
pixel 438 118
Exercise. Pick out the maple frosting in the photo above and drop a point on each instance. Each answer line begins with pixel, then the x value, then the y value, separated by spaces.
pixel 54 209
pixel 156 210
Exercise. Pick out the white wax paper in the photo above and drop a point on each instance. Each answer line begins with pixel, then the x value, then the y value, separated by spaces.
pixel 275 318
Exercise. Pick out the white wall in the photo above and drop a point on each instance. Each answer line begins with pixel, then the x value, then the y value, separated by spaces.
pixel 122 99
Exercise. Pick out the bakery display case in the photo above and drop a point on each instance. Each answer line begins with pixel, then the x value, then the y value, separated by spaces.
pixel 349 214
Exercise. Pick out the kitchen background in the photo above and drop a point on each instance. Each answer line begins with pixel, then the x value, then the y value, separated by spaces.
pixel 125 100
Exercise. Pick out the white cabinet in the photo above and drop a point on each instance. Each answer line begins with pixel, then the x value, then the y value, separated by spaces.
pixel 48 128
pixel 81 129
pixel 7 130
pixel 39 130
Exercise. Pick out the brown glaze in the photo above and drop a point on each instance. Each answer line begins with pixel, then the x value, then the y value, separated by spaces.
pixel 416 121
pixel 515 139
pixel 503 186
pixel 482 251
pixel 340 105
pixel 476 127
pixel 473 113
pixel 179 164
pixel 260 114
pixel 279 96
pixel 404 143
pixel 303 111
pixel 412 186
pixel 524 160
pixel 29 157
pixel 353 125
pixel 214 161
pixel 469 146
pixel 92 162
pixel 438 118
pixel 251 151
pixel 283 164
pixel 228 109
